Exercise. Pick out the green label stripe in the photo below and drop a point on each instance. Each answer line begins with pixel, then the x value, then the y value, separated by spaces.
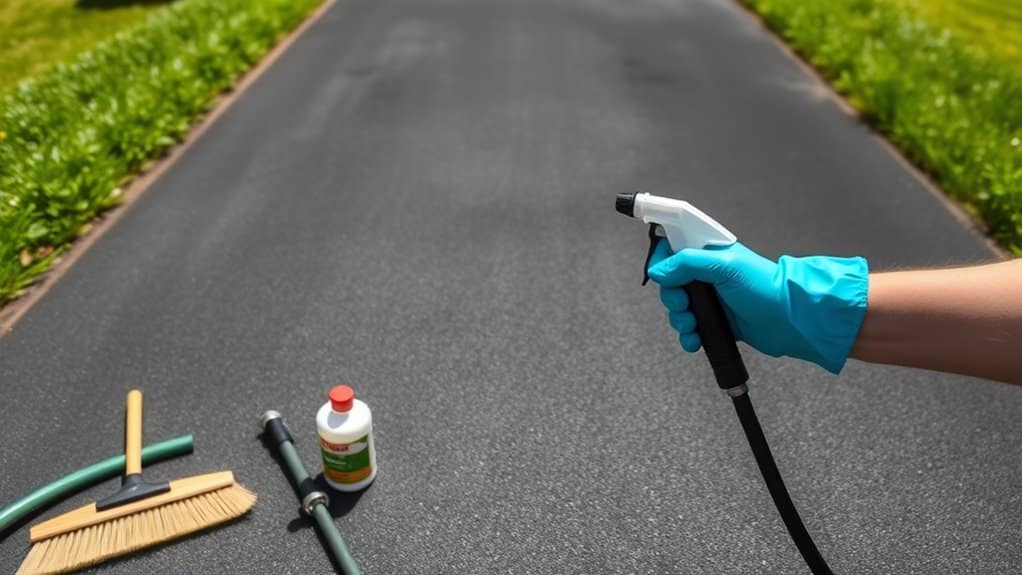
pixel 346 462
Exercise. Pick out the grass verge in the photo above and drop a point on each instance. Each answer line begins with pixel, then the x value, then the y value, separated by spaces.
pixel 70 137
pixel 35 34
pixel 992 25
pixel 952 106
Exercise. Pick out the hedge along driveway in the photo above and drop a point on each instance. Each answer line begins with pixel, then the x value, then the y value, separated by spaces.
pixel 69 138
pixel 953 108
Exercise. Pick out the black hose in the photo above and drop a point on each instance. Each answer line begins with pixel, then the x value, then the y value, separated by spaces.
pixel 718 341
pixel 772 477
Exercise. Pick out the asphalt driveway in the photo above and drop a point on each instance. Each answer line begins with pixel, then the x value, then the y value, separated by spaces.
pixel 416 199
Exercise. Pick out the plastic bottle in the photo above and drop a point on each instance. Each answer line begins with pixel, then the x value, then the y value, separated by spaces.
pixel 345 427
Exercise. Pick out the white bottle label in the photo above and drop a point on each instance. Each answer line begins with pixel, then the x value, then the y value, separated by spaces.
pixel 346 462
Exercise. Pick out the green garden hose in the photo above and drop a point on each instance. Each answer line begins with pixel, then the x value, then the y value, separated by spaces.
pixel 89 476
pixel 313 502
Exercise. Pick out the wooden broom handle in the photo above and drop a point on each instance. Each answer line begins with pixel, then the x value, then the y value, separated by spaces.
pixel 133 434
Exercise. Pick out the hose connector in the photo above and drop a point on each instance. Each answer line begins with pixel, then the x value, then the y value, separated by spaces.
pixel 737 391
pixel 272 424
pixel 314 498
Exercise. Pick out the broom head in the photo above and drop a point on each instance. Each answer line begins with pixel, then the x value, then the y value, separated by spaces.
pixel 87 536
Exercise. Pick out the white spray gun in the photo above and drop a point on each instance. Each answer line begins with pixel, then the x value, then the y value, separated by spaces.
pixel 687 227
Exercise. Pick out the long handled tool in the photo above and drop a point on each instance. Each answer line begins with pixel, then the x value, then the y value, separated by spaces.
pixel 314 502
pixel 687 227
pixel 138 515
pixel 86 477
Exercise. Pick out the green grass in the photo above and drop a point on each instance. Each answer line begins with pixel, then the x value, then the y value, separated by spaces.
pixel 942 86
pixel 994 26
pixel 72 135
pixel 35 34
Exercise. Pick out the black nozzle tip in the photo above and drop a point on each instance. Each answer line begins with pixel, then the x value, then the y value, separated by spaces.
pixel 625 204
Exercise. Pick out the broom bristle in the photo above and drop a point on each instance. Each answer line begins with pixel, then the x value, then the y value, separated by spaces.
pixel 96 543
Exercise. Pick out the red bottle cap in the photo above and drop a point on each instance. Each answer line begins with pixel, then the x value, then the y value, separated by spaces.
pixel 342 398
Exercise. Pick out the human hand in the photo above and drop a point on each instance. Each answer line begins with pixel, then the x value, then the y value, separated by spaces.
pixel 809 308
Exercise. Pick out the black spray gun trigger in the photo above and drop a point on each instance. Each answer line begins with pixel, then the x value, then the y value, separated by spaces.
pixel 654 237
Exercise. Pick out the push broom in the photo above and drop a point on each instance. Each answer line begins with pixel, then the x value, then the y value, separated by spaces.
pixel 138 515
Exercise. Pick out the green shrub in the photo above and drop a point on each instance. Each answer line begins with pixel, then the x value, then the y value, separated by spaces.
pixel 70 137
pixel 954 109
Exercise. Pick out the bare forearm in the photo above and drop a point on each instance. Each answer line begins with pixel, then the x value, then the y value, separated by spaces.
pixel 966 320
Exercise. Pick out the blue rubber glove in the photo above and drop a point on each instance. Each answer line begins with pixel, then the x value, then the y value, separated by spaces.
pixel 810 308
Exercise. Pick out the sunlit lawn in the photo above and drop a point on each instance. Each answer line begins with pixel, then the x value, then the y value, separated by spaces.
pixel 941 78
pixel 991 25
pixel 34 34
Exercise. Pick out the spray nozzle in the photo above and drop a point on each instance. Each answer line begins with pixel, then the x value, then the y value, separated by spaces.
pixel 625 204
pixel 684 225
pixel 687 227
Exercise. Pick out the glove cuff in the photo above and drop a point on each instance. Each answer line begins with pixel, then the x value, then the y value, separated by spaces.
pixel 827 298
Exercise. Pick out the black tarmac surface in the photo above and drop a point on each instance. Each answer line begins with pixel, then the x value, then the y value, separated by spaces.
pixel 417 199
